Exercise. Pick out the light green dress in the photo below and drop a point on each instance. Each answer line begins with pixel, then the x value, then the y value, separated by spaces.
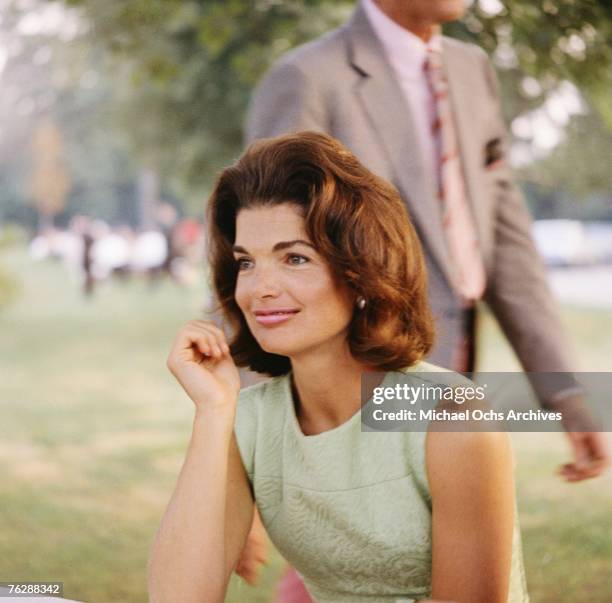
pixel 350 510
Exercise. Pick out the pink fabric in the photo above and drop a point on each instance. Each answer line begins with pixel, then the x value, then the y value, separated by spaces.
pixel 291 589
pixel 406 53
pixel 457 219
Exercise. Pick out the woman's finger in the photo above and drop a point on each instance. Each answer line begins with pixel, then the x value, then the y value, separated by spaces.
pixel 208 344
pixel 213 330
pixel 190 338
pixel 219 335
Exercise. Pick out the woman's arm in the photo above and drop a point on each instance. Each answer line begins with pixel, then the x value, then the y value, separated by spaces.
pixel 254 553
pixel 207 520
pixel 472 488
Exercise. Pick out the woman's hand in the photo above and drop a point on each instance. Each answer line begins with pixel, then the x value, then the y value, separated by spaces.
pixel 210 512
pixel 201 362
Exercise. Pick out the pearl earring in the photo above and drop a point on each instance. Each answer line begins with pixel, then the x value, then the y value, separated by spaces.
pixel 361 302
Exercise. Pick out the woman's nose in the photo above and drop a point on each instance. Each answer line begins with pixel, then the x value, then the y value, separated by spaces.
pixel 265 282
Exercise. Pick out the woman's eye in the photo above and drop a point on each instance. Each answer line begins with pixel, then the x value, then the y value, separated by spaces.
pixel 295 259
pixel 244 263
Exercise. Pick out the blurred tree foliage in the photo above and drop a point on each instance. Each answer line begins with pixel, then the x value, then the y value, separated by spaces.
pixel 52 73
pixel 174 77
pixel 192 64
pixel 576 169
pixel 536 45
pixel 185 70
pixel 49 180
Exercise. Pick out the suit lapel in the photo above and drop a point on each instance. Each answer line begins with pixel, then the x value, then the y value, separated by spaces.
pixel 472 157
pixel 384 103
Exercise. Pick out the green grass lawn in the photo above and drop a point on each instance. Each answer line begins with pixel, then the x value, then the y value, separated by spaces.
pixel 93 431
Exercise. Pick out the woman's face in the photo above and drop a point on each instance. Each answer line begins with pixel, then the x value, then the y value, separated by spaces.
pixel 285 289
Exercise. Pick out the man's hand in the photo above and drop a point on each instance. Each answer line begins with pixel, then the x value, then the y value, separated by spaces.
pixel 255 552
pixel 590 453
pixel 590 448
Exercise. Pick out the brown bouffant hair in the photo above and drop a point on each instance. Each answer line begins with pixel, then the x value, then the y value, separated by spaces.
pixel 357 223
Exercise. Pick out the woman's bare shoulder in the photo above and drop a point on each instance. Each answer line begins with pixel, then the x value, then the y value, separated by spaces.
pixel 467 458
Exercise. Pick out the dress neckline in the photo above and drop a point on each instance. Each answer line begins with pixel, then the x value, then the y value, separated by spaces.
pixel 328 432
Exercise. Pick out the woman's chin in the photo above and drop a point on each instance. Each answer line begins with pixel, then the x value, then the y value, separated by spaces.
pixel 274 347
pixel 278 350
pixel 282 348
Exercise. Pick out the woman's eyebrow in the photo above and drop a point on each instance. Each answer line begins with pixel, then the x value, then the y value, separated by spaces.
pixel 278 247
pixel 286 244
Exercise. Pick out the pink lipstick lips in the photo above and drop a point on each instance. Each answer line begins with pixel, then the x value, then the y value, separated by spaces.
pixel 273 317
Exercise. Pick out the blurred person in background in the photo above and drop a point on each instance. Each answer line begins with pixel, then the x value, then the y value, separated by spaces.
pixel 423 111
pixel 166 218
pixel 188 243
pixel 74 247
pixel 111 250
pixel 149 254
pixel 96 251
pixel 81 227
pixel 322 278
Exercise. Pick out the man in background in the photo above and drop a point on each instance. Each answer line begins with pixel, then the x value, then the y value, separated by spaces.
pixel 423 112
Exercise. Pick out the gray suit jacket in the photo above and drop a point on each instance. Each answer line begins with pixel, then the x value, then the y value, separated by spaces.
pixel 342 84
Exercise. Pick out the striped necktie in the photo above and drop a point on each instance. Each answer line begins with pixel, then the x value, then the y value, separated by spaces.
pixel 457 220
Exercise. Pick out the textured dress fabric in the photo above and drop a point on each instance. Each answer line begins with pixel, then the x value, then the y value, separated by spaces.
pixel 351 510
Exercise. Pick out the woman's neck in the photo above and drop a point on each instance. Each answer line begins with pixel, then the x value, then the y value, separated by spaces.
pixel 328 388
